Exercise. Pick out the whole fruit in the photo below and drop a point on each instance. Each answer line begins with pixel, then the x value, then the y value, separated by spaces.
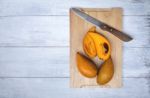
pixel 106 72
pixel 85 66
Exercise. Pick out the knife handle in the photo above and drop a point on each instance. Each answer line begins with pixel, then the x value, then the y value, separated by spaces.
pixel 116 32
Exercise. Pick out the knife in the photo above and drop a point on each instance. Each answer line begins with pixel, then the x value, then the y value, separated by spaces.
pixel 122 36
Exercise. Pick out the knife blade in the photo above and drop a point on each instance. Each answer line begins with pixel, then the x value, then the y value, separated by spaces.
pixel 121 35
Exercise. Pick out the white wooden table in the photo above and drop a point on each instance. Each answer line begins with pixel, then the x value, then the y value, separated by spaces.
pixel 34 49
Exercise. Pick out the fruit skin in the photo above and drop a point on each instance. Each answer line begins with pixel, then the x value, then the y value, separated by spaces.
pixel 102 45
pixel 95 44
pixel 106 72
pixel 92 29
pixel 85 66
pixel 88 44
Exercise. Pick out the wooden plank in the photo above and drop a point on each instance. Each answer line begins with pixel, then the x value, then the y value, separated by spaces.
pixel 34 62
pixel 34 31
pixel 56 88
pixel 54 62
pixel 61 7
pixel 79 28
pixel 41 31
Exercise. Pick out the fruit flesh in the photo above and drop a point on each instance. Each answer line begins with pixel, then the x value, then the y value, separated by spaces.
pixel 95 44
pixel 89 46
pixel 85 66
pixel 102 45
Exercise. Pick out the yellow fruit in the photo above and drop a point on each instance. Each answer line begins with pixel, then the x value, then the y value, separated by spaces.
pixel 102 45
pixel 95 44
pixel 89 46
pixel 85 66
pixel 106 72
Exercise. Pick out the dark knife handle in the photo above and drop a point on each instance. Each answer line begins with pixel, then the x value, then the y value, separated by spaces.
pixel 116 32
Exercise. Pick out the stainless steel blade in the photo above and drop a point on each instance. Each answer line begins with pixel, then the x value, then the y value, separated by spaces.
pixel 122 36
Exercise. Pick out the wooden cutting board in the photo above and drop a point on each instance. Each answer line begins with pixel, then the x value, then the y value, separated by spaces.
pixel 78 29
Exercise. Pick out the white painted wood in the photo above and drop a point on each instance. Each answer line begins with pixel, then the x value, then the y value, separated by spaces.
pixel 61 7
pixel 54 31
pixel 54 62
pixel 59 88
pixel 34 31
pixel 34 62
pixel 22 61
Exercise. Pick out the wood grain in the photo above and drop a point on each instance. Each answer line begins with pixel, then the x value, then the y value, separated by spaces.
pixel 61 7
pixel 54 62
pixel 34 31
pixel 28 38
pixel 40 31
pixel 56 87
pixel 78 29
pixel 34 62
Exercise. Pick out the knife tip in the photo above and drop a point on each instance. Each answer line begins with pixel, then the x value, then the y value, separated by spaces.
pixel 128 39
pixel 75 8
